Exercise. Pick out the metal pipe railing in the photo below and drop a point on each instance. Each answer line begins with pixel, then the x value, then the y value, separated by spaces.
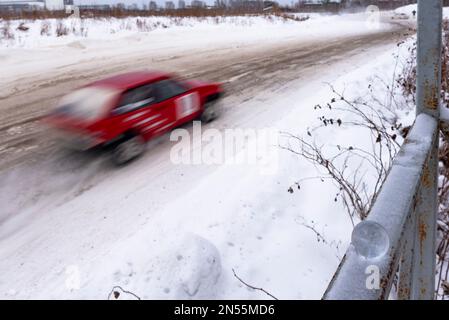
pixel 399 233
pixel 369 255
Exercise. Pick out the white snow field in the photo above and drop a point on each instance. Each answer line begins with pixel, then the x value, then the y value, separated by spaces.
pixel 176 231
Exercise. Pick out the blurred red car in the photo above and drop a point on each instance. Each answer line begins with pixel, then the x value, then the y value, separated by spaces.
pixel 125 111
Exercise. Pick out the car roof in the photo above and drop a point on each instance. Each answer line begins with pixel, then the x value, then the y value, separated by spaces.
pixel 130 80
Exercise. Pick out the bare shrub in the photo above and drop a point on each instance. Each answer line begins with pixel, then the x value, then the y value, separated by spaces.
pixel 61 29
pixel 5 31
pixel 32 15
pixel 143 25
pixel 292 17
pixel 78 28
pixel 117 12
pixel 45 28
pixel 301 18
pixel 407 80
pixel 357 197
pixel 443 224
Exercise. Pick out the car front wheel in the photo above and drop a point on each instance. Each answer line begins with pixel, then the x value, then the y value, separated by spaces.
pixel 128 150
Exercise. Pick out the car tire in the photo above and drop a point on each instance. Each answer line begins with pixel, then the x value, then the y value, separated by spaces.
pixel 128 149
pixel 211 111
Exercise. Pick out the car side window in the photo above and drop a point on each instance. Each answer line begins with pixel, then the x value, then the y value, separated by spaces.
pixel 167 89
pixel 136 98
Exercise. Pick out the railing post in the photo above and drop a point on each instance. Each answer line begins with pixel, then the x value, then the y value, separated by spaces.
pixel 428 99
pixel 405 283
pixel 429 57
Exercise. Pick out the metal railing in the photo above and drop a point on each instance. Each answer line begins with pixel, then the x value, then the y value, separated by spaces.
pixel 398 237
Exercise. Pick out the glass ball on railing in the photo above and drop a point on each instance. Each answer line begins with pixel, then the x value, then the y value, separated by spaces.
pixel 370 240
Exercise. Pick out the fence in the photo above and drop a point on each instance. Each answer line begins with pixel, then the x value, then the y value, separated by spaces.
pixel 398 238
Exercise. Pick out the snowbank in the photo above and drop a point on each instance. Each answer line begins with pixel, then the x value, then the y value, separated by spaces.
pixel 50 32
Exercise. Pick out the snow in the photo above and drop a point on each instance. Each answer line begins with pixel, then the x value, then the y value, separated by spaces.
pixel 165 231
pixel 112 38
pixel 43 33
pixel 409 9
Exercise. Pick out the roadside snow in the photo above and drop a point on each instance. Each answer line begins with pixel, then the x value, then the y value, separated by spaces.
pixel 82 33
pixel 409 9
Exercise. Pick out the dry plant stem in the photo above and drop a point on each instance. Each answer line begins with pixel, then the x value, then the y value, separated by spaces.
pixel 116 294
pixel 252 287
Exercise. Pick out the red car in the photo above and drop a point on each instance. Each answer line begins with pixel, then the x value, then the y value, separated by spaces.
pixel 123 112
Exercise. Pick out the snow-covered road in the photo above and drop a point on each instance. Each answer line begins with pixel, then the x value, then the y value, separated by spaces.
pixel 251 58
pixel 71 226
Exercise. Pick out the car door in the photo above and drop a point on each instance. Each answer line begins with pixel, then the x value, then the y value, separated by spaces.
pixel 182 104
pixel 138 110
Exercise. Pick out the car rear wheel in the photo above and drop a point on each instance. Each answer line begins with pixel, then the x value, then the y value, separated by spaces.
pixel 211 111
pixel 128 150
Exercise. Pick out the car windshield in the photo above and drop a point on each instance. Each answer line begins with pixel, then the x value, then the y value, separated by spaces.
pixel 87 103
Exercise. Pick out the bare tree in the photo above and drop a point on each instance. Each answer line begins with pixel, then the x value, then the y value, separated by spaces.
pixel 382 127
